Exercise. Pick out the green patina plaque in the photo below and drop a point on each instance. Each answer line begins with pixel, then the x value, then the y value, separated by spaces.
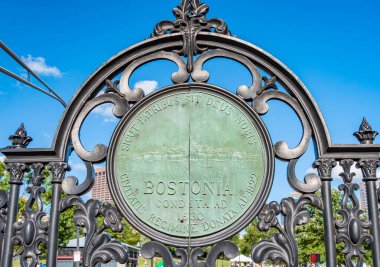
pixel 189 163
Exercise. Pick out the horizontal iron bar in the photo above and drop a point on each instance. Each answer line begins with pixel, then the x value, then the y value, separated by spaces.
pixel 19 61
pixel 20 79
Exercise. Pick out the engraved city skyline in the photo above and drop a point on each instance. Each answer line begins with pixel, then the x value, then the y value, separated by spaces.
pixel 191 159
pixel 195 151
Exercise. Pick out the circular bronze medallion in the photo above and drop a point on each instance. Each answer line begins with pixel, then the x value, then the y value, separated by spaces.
pixel 190 163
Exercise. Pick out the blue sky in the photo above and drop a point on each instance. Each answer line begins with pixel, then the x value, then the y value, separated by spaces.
pixel 332 46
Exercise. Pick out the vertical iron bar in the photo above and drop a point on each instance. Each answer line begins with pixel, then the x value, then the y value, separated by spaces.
pixel 58 170
pixel 325 167
pixel 77 263
pixel 54 226
pixel 16 171
pixel 369 167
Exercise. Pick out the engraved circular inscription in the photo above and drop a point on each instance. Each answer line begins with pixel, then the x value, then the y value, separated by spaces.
pixel 190 163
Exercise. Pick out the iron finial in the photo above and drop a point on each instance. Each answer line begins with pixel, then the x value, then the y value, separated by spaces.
pixel 190 19
pixel 20 139
pixel 365 134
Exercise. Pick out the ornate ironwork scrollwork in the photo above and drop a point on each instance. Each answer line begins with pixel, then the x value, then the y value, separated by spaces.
pixel 136 94
pixel 282 246
pixel 98 247
pixel 247 93
pixel 71 185
pixel 190 257
pixel 259 93
pixel 3 215
pixel 281 148
pixel 100 151
pixel 150 249
pixel 229 249
pixel 312 181
pixel 190 20
pixel 351 229
pixel 31 232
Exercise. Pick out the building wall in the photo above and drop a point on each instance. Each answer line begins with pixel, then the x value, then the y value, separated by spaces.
pixel 100 191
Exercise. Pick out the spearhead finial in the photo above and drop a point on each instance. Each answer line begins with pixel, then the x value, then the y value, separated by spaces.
pixel 20 139
pixel 365 134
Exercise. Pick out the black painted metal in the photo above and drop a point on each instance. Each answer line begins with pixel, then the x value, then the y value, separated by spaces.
pixel 191 34
pixel 352 230
pixel 16 171
pixel 324 169
pixel 20 139
pixel 31 231
pixel 282 246
pixel 3 217
pixel 99 247
pixel 369 167
pixel 57 170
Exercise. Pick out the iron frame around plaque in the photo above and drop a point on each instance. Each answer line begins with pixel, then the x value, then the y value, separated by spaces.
pixel 250 213
pixel 189 41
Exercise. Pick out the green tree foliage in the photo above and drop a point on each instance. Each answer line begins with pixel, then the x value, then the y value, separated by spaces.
pixel 129 235
pixel 253 236
pixel 310 237
pixel 67 228
pixel 4 177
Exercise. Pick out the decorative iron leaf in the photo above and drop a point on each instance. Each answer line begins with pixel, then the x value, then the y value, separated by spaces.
pixel 273 249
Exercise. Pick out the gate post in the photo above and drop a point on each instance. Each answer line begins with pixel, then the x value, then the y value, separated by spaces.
pixel 17 171
pixel 369 167
pixel 58 170
pixel 325 167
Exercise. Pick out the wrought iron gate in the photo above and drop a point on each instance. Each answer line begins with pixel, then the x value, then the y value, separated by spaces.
pixel 189 41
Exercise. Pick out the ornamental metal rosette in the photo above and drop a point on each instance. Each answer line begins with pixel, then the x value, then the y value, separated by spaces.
pixel 190 41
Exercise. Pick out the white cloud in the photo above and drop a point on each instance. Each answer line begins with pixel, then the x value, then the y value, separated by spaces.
pixel 311 170
pixel 46 135
pixel 2 158
pixel 106 112
pixel 147 86
pixel 77 166
pixel 39 66
pixel 19 84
